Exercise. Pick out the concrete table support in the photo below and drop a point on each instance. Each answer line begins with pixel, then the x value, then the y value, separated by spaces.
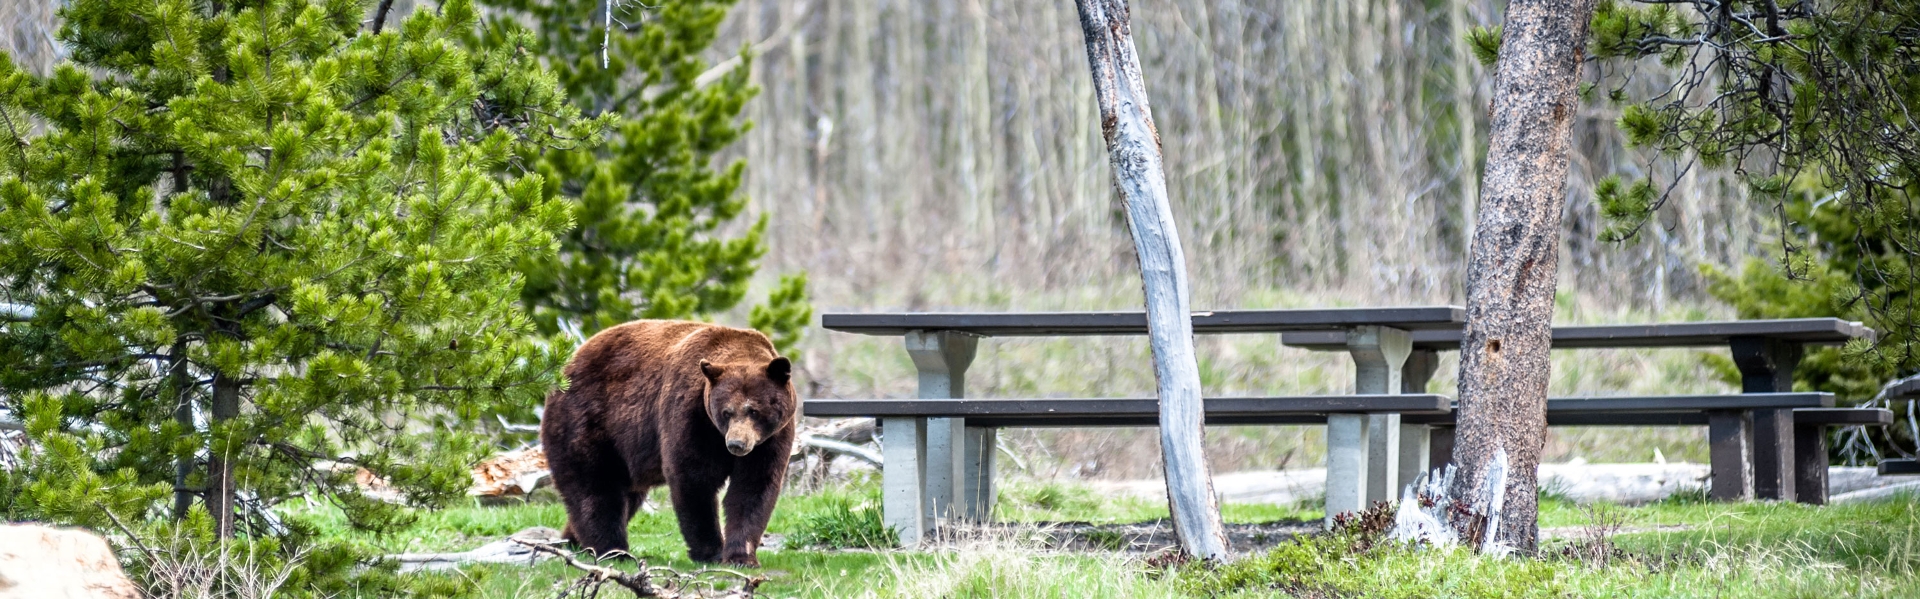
pixel 1363 450
pixel 926 474
pixel 1416 439
pixel 1766 366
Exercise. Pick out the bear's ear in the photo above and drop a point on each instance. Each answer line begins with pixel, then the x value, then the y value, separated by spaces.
pixel 780 370
pixel 713 372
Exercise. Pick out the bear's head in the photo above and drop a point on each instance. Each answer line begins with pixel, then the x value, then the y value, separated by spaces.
pixel 749 401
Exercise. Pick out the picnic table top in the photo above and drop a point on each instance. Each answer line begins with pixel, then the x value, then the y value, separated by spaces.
pixel 1819 331
pixel 1054 324
pixel 1058 407
pixel 1907 388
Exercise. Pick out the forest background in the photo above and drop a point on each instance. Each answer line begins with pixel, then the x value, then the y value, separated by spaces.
pixel 945 156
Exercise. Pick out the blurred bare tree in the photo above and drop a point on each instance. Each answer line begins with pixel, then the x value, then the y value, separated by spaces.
pixel 1309 146
pixel 1325 146
pixel 29 27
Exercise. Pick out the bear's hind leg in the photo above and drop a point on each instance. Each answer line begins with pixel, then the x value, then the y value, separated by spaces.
pixel 597 521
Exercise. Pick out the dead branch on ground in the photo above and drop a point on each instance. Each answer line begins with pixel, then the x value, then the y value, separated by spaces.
pixel 651 581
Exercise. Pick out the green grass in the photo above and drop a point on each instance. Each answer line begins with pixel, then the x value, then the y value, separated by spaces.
pixel 1058 502
pixel 1667 549
pixel 1676 548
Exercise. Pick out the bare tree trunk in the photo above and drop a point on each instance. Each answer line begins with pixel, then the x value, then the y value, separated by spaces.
pixel 220 483
pixel 1463 112
pixel 1133 148
pixel 1511 270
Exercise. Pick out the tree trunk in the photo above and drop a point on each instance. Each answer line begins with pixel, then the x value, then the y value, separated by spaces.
pixel 1511 269
pixel 1133 148
pixel 220 483
pixel 1465 113
pixel 180 380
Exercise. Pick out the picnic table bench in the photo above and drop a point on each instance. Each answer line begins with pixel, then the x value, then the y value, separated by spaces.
pixel 940 464
pixel 1772 452
pixel 1908 388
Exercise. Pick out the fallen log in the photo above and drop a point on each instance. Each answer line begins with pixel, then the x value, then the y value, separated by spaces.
pixel 507 550
pixel 857 431
pixel 829 445
pixel 843 437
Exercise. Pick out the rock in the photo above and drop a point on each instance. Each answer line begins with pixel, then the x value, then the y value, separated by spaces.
pixel 39 562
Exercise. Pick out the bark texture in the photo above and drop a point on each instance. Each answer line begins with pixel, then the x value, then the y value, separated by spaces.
pixel 220 479
pixel 1133 148
pixel 1511 268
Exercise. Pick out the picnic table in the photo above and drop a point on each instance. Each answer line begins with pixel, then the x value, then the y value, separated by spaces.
pixel 940 464
pixel 1757 451
pixel 939 448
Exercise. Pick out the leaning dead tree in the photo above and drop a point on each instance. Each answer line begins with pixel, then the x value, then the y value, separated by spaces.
pixel 1510 272
pixel 1133 148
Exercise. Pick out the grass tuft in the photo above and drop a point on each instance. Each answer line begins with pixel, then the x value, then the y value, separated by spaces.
pixel 841 522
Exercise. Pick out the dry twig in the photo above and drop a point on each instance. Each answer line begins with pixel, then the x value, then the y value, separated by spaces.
pixel 647 581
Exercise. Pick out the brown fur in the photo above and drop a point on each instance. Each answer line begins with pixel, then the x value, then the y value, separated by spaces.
pixel 655 402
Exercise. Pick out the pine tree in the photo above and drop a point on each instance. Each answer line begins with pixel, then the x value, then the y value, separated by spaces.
pixel 253 248
pixel 1812 103
pixel 651 210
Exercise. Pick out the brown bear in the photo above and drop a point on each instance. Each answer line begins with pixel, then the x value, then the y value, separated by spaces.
pixel 688 404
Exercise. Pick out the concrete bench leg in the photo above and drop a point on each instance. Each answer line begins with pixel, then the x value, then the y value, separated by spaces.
pixel 1727 434
pixel 946 477
pixel 1379 354
pixel 1346 464
pixel 1383 457
pixel 1773 455
pixel 903 481
pixel 1810 463
pixel 941 357
pixel 1440 448
pixel 1416 442
pixel 977 504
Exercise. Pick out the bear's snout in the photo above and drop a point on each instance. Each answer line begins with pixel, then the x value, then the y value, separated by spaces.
pixel 741 438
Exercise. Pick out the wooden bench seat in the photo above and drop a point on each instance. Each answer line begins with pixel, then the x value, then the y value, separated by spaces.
pixel 1013 413
pixel 1765 351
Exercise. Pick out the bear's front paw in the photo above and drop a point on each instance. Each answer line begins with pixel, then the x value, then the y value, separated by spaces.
pixel 733 558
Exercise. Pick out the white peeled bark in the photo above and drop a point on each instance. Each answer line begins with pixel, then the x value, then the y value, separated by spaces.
pixel 1133 147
